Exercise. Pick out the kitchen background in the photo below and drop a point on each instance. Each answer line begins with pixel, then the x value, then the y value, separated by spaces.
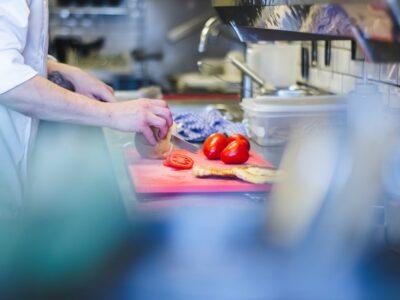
pixel 227 247
pixel 342 73
pixel 133 38
pixel 134 25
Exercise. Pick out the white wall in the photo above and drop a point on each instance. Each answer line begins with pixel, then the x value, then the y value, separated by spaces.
pixel 343 72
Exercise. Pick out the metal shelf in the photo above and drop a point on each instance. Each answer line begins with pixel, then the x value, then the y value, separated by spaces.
pixel 299 20
pixel 107 11
pixel 227 3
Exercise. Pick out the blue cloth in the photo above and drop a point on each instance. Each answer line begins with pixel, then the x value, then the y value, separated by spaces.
pixel 196 127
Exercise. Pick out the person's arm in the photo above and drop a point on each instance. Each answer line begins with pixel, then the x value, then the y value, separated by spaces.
pixel 21 89
pixel 42 99
pixel 84 83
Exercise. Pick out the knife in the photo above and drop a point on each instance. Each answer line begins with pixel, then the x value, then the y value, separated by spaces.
pixel 182 144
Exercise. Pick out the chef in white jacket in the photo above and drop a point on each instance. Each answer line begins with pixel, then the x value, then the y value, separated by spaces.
pixel 27 96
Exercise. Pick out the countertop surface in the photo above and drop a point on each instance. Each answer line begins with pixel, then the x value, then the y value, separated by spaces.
pixel 118 142
pixel 215 246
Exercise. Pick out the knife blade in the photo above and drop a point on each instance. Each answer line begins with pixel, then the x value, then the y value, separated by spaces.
pixel 182 144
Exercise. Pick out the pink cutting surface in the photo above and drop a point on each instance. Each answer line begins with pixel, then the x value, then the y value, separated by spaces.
pixel 151 176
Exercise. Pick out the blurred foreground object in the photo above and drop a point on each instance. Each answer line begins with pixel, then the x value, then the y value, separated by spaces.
pixel 73 235
pixel 335 181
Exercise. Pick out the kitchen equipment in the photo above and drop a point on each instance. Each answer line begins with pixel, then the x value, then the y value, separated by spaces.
pixel 210 28
pixel 143 58
pixel 212 66
pixel 328 53
pixel 294 90
pixel 151 177
pixel 180 143
pixel 195 83
pixel 264 87
pixel 305 63
pixel 215 74
pixel 271 119
pixel 299 20
pixel 88 3
pixel 186 28
pixel 151 92
pixel 62 44
pixel 314 54
pixel 277 63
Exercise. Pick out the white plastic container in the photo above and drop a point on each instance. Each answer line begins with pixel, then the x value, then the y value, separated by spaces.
pixel 271 119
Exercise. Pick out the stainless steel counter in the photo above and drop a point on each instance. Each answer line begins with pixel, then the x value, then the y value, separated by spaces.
pixel 118 142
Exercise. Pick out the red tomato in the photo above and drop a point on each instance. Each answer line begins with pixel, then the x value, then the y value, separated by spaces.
pixel 239 137
pixel 235 153
pixel 214 145
pixel 179 161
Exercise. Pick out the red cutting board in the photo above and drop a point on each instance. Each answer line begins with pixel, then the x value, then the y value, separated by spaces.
pixel 151 176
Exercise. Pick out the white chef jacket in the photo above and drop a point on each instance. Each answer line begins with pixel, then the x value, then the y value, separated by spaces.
pixel 23 55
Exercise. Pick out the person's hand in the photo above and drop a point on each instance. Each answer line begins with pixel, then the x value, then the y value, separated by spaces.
pixel 141 116
pixel 84 83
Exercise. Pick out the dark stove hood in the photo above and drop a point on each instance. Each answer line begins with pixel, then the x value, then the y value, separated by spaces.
pixel 374 25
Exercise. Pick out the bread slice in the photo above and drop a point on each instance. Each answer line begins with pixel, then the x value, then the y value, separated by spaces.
pixel 251 174
pixel 257 175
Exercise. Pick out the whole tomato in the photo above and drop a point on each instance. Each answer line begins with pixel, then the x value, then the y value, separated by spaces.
pixel 214 145
pixel 238 136
pixel 235 153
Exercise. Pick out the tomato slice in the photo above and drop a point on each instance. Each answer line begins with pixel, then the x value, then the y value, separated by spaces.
pixel 179 161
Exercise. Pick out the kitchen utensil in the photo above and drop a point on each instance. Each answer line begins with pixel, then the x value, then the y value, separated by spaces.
pixel 294 90
pixel 305 63
pixel 314 54
pixel 328 53
pixel 265 87
pixel 182 144
pixel 151 177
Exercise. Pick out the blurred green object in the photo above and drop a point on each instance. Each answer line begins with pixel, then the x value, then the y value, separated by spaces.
pixel 75 229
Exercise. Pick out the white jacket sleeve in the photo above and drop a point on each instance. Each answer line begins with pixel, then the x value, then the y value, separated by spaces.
pixel 14 22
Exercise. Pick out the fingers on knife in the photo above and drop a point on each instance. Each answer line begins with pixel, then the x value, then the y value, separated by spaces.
pixel 158 122
pixel 164 113
pixel 149 135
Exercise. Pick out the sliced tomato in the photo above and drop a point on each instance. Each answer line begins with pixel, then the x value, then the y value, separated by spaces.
pixel 179 161
pixel 241 137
